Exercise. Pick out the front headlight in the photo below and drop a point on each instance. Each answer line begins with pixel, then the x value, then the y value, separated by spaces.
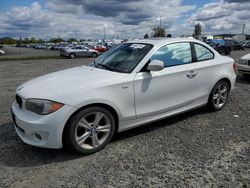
pixel 243 61
pixel 41 106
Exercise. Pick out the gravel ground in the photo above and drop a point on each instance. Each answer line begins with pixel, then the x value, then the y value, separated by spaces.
pixel 14 52
pixel 194 149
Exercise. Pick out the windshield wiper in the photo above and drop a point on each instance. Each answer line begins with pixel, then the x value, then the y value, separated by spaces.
pixel 104 66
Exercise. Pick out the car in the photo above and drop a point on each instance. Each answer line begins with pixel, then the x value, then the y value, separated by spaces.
pixel 243 67
pixel 2 52
pixel 222 49
pixel 235 45
pixel 100 48
pixel 78 51
pixel 130 85
pixel 246 44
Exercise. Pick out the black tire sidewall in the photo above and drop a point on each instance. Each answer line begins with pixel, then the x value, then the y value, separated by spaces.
pixel 94 55
pixel 72 56
pixel 210 101
pixel 73 124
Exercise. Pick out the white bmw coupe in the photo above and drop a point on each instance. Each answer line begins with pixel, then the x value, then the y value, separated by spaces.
pixel 130 85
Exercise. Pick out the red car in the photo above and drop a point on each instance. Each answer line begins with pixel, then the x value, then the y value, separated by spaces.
pixel 100 48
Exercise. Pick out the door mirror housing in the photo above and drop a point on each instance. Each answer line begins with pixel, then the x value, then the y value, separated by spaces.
pixel 155 65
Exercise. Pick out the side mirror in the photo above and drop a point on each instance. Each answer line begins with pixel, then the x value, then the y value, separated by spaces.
pixel 155 65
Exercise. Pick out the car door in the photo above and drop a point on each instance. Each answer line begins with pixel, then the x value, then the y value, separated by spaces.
pixel 85 51
pixel 172 88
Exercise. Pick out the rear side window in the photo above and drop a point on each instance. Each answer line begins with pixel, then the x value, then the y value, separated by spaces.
pixel 174 54
pixel 202 53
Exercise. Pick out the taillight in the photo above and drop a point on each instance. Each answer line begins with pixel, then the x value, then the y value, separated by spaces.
pixel 234 67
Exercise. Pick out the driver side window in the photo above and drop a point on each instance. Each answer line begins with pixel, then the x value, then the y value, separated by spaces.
pixel 174 54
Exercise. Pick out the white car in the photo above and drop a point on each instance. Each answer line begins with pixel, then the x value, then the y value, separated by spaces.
pixel 2 52
pixel 243 66
pixel 130 85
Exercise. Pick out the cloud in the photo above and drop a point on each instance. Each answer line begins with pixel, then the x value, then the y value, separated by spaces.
pixel 65 18
pixel 222 17
pixel 127 18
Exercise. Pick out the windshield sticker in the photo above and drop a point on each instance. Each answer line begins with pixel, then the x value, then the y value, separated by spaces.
pixel 137 46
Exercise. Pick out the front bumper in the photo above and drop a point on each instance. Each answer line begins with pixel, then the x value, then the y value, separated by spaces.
pixel 243 69
pixel 41 130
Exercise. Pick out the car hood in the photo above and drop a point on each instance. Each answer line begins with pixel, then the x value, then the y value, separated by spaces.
pixel 67 81
pixel 246 57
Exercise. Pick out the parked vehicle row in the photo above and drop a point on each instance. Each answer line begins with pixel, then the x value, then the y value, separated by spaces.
pixel 226 46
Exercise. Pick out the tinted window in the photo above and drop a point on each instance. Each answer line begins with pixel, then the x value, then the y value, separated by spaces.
pixel 202 53
pixel 174 54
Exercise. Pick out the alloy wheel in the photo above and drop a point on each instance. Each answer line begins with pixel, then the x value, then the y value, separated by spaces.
pixel 92 130
pixel 220 95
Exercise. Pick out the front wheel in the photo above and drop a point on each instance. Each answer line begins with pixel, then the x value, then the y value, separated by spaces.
pixel 219 96
pixel 72 56
pixel 90 130
pixel 94 55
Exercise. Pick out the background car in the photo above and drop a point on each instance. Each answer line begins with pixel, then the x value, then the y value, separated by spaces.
pixel 100 48
pixel 246 44
pixel 2 52
pixel 78 51
pixel 221 48
pixel 243 66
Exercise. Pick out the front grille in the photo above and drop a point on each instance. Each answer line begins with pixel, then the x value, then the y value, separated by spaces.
pixel 19 101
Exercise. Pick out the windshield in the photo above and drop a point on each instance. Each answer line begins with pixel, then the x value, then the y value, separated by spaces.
pixel 123 58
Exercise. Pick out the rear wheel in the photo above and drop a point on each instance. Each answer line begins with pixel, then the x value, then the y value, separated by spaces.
pixel 219 96
pixel 94 55
pixel 72 56
pixel 90 130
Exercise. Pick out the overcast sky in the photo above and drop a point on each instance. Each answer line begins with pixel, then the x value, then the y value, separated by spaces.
pixel 120 18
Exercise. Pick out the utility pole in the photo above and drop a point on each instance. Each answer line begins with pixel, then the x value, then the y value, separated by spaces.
pixel 104 33
pixel 160 21
pixel 243 29
pixel 76 37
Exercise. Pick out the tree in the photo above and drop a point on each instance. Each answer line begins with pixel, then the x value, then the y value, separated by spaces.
pixel 56 40
pixel 33 40
pixel 40 41
pixel 146 36
pixel 7 40
pixel 72 40
pixel 159 31
pixel 197 30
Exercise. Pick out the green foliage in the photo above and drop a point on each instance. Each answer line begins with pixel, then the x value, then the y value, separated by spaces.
pixel 72 40
pixel 7 40
pixel 159 31
pixel 40 41
pixel 197 30
pixel 146 36
pixel 56 40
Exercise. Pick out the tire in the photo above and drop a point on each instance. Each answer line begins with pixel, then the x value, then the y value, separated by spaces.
pixel 246 76
pixel 218 96
pixel 94 55
pixel 72 56
pixel 90 130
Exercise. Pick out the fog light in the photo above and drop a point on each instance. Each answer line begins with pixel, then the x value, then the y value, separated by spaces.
pixel 38 136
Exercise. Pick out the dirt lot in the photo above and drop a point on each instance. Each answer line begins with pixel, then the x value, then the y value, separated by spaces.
pixel 195 149
pixel 14 52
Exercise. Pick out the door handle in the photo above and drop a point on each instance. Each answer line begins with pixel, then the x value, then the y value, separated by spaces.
pixel 191 74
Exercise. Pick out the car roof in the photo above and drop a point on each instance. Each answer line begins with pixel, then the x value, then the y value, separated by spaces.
pixel 161 41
